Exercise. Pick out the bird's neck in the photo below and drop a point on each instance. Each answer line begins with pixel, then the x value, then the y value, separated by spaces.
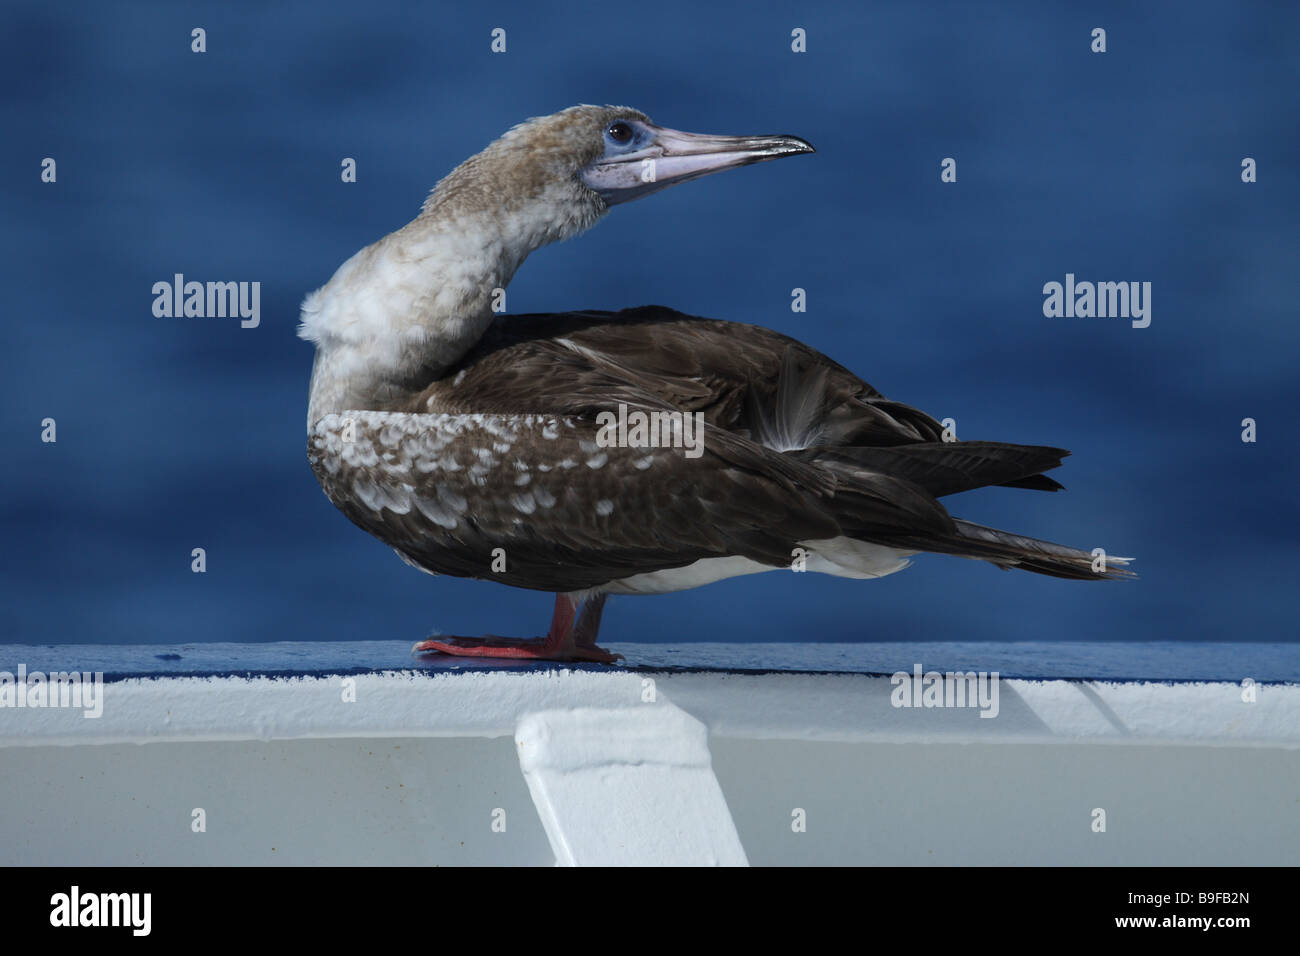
pixel 402 311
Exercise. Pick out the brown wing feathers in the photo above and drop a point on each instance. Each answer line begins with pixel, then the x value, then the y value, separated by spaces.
pixel 796 448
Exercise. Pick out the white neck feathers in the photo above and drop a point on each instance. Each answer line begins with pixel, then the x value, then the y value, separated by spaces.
pixel 411 304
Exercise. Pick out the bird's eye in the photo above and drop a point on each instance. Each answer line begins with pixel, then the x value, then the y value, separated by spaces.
pixel 619 132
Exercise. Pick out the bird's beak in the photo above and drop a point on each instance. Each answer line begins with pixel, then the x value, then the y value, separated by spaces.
pixel 674 157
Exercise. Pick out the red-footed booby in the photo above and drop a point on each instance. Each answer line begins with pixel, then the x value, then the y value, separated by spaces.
pixel 634 452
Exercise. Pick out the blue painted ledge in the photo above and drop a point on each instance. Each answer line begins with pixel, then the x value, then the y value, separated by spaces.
pixel 1148 661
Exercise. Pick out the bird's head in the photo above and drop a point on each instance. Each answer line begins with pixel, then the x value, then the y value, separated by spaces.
pixel 568 168
pixel 627 156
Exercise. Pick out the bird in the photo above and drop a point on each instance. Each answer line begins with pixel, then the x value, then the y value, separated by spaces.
pixel 482 444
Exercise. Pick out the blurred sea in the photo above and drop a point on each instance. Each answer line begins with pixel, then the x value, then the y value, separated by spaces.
pixel 182 433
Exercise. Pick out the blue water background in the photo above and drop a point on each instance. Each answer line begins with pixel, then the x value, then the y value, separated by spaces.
pixel 183 433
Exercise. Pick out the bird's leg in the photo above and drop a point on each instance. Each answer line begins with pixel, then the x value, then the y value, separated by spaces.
pixel 584 632
pixel 563 642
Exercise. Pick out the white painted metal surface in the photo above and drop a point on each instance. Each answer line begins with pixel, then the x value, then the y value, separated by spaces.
pixel 536 766
pixel 627 787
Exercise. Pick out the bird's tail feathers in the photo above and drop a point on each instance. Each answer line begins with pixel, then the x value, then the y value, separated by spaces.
pixel 1008 550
